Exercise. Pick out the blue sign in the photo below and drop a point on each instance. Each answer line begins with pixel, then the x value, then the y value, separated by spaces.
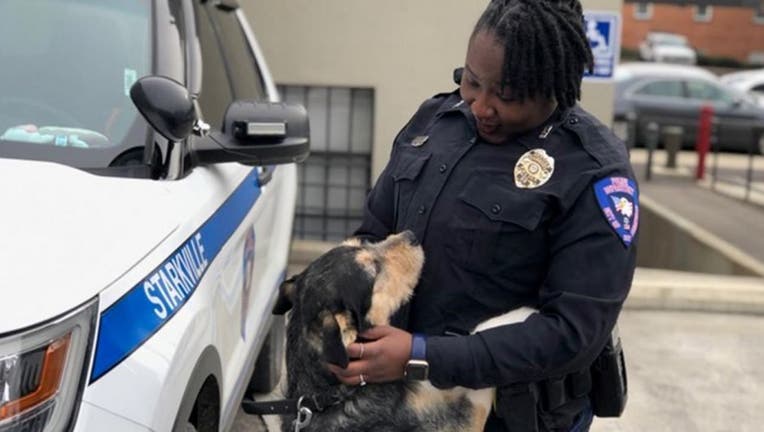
pixel 603 29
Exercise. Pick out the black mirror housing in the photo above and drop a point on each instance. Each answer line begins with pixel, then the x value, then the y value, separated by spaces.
pixel 166 105
pixel 258 133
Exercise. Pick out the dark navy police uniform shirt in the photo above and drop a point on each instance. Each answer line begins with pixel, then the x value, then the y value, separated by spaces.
pixel 491 246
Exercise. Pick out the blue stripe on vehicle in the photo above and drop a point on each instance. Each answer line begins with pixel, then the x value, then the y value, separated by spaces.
pixel 142 311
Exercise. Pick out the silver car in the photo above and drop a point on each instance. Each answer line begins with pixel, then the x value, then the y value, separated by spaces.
pixel 673 95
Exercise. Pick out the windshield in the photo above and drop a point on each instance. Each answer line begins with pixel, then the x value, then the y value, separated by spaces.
pixel 65 74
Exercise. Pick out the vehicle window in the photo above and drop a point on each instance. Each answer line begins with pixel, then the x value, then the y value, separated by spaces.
pixel 216 93
pixel 245 75
pixel 62 87
pixel 661 88
pixel 669 39
pixel 707 91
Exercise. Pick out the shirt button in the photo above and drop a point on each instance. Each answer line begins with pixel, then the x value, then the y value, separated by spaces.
pixel 422 210
pixel 443 168
pixel 496 209
pixel 573 120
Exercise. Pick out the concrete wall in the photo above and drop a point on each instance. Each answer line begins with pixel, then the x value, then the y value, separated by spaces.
pixel 404 49
pixel 666 241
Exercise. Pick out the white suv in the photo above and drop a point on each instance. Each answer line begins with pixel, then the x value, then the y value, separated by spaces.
pixel 667 48
pixel 142 247
pixel 750 82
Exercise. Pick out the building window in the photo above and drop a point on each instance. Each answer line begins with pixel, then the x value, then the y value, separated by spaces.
pixel 643 10
pixel 334 180
pixel 703 13
pixel 758 14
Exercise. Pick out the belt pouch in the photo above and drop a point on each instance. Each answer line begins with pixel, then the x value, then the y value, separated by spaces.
pixel 516 406
pixel 609 385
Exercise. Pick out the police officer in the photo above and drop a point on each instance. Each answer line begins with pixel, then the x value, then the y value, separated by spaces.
pixel 519 198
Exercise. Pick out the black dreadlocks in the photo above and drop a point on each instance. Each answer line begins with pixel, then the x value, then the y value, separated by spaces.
pixel 545 47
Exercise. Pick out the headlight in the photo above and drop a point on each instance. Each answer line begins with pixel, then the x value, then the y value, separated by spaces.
pixel 42 372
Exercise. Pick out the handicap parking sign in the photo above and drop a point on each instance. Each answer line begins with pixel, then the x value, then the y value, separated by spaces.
pixel 603 29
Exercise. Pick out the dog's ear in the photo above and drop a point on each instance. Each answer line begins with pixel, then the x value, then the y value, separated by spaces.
pixel 331 340
pixel 285 300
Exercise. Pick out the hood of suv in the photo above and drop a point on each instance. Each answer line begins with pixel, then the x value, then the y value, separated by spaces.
pixel 66 235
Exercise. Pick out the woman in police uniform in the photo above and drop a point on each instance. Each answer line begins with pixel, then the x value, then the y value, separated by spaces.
pixel 519 198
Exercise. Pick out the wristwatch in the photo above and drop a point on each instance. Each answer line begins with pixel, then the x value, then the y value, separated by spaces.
pixel 417 367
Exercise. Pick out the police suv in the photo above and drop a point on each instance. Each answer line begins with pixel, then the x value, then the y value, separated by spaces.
pixel 147 185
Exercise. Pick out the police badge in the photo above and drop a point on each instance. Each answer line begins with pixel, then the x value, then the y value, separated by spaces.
pixel 533 169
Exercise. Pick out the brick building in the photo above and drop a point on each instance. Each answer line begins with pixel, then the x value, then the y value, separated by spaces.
pixel 730 29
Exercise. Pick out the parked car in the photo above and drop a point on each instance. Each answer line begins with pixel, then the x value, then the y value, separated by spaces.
pixel 665 47
pixel 673 95
pixel 749 81
pixel 148 195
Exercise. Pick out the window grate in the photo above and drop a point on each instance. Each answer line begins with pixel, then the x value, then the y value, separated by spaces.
pixel 334 180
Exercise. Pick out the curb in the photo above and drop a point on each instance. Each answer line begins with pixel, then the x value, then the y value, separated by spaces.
pixel 685 291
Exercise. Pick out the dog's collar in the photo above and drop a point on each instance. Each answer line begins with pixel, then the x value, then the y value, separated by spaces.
pixel 315 403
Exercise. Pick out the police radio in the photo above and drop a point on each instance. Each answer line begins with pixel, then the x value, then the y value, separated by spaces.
pixel 609 386
pixel 457 75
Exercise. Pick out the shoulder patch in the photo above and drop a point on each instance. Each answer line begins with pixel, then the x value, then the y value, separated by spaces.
pixel 618 198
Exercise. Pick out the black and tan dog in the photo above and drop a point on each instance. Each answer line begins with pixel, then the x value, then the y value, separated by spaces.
pixel 346 291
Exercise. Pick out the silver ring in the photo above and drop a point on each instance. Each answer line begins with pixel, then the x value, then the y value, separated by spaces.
pixel 360 356
pixel 363 381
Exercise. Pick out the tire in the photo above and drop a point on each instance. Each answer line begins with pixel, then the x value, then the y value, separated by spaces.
pixel 188 427
pixel 270 360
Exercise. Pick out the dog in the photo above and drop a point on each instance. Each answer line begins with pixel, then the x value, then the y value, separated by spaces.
pixel 349 289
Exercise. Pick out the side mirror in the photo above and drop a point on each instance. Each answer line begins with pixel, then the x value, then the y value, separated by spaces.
pixel 258 133
pixel 254 132
pixel 166 105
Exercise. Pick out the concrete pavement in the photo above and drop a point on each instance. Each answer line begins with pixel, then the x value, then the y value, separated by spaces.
pixel 691 372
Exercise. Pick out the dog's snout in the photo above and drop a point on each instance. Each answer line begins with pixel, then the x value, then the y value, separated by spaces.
pixel 410 237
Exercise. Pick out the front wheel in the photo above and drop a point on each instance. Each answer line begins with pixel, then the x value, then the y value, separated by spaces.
pixel 270 360
pixel 188 427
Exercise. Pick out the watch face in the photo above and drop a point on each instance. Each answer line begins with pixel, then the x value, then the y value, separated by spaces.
pixel 416 370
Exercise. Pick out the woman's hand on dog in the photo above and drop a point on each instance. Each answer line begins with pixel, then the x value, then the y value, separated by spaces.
pixel 384 357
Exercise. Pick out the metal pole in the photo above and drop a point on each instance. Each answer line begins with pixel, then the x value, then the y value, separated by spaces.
pixel 652 144
pixel 631 130
pixel 703 139
pixel 751 152
pixel 715 148
pixel 672 143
